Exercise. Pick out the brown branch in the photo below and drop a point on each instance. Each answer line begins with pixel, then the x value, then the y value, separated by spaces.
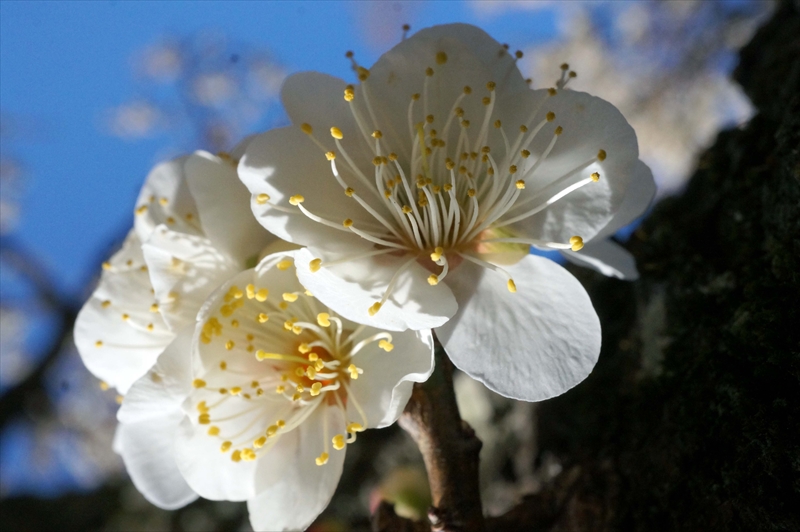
pixel 450 450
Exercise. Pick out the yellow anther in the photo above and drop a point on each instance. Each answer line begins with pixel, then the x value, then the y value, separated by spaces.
pixel 471 193
pixel 236 390
pixel 248 455
pixel 433 279
pixel 518 54
pixel 300 372
pixel 223 391
pixel 297 199
pixel 551 91
pixel 318 365
pixel 273 429
pixel 259 442
pixel 322 459
pixel 236 456
pixel 284 264
pixel 280 388
pixel 520 184
pixel 306 128
pixel 576 242
pixel 349 192
pixel 105 304
pixel 377 134
pixel 297 329
pixel 595 177
pixel 447 187
pixel 559 130
pixel 573 74
pixel 316 388
pixel 262 294
pixel 490 86
pixel 415 96
pixel 486 100
pixel 376 161
pixel 429 119
pixel 525 154
pixel 392 156
pixel 235 324
pixel 236 292
pixel 465 123
pixel 107 266
pixel 141 210
pixel 336 133
pixel 314 265
pixel 601 155
pixel 354 371
pixel 226 310
pixel 304 348
pixel 512 169
pixel 347 222
pixel 291 297
pixel 551 116
pixel 354 427
pixel 125 317
pixel 386 345
pixel 213 431
pixel 406 209
pixel 564 66
pixel 223 365
pixel 170 220
pixel 498 124
pixel 281 423
pixel 441 58
pixel 324 319
pixel 375 308
pixel 163 202
pixel 523 128
pixel 204 419
pixel 429 71
pixel 363 74
pixel 229 345
pixel 199 383
pixel 225 446
pixel 202 407
pixel 262 318
pixel 250 290
pixel 512 287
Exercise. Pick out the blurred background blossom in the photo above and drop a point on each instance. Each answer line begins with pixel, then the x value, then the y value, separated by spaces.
pixel 167 78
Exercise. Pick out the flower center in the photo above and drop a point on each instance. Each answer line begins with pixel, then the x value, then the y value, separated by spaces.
pixel 458 186
pixel 273 363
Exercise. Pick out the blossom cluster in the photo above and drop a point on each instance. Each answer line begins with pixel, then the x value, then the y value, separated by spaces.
pixel 252 345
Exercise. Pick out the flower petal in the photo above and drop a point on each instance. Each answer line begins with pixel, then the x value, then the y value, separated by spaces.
pixel 222 203
pixel 589 125
pixel 165 199
pixel 211 473
pixel 353 287
pixel 384 388
pixel 640 193
pixel 531 345
pixel 165 386
pixel 292 489
pixel 606 257
pixel 117 332
pixel 147 450
pixel 284 162
pixel 184 270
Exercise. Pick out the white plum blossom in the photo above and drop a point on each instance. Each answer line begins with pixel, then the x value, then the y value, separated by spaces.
pixel 191 233
pixel 277 387
pixel 419 191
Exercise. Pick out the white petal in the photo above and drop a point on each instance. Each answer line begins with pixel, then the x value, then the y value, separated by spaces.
pixel 285 162
pixel 638 196
pixel 210 472
pixel 353 287
pixel 165 386
pixel 589 125
pixel 165 199
pixel 384 388
pixel 184 270
pixel 147 448
pixel 117 334
pixel 607 257
pixel 531 345
pixel 292 489
pixel 222 202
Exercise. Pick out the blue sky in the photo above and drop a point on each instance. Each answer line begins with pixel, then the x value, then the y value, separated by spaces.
pixel 63 63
